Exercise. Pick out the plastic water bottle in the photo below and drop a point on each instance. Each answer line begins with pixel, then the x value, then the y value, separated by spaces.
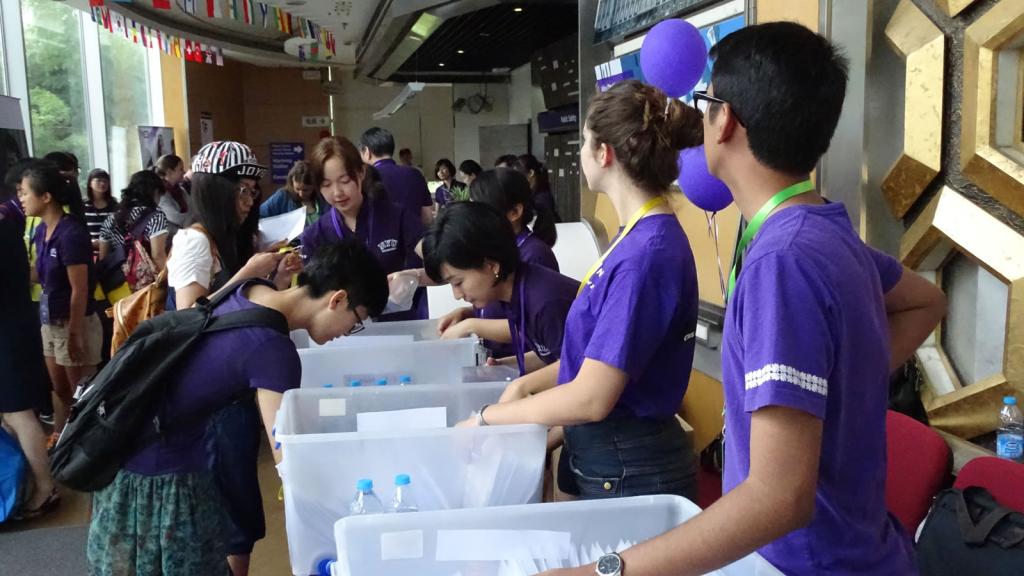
pixel 403 500
pixel 1010 438
pixel 355 383
pixel 382 381
pixel 323 568
pixel 365 501
pixel 404 380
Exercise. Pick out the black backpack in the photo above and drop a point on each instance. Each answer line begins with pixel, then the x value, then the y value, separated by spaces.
pixel 113 416
pixel 968 532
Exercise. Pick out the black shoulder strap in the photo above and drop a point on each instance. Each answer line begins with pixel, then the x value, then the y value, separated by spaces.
pixel 252 317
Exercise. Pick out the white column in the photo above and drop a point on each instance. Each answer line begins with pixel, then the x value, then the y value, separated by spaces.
pixel 95 120
pixel 14 65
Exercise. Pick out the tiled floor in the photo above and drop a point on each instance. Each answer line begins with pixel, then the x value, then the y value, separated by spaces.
pixel 270 558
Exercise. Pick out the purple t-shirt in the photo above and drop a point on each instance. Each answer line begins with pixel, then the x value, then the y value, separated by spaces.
pixel 639 313
pixel 806 329
pixel 405 185
pixel 70 245
pixel 532 250
pixel 541 299
pixel 12 210
pixel 390 231
pixel 220 367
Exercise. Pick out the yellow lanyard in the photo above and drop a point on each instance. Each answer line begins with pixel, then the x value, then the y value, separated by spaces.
pixel 643 211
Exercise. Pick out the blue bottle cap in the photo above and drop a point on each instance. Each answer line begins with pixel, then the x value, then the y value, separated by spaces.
pixel 328 385
pixel 364 485
pixel 402 480
pixel 405 379
pixel 323 568
pixel 1010 400
pixel 355 383
pixel 382 382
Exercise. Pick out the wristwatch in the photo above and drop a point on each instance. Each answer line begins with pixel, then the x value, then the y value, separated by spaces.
pixel 609 565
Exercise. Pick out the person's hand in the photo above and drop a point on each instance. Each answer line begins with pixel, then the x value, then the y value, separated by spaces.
pixel 514 391
pixel 468 422
pixel 460 330
pixel 76 343
pixel 290 265
pixel 453 317
pixel 492 361
pixel 276 246
pixel 262 265
pixel 587 570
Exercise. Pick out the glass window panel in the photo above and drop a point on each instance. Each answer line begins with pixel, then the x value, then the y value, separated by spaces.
pixel 125 103
pixel 56 82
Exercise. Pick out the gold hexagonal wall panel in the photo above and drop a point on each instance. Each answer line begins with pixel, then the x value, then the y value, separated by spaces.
pixel 951 222
pixel 922 45
pixel 980 159
pixel 953 7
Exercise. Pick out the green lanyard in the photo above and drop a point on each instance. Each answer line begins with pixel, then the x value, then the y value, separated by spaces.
pixel 755 225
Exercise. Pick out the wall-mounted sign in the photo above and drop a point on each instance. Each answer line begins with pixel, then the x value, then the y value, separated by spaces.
pixel 282 156
pixel 316 121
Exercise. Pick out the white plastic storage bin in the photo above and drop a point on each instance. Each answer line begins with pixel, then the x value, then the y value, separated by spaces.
pixel 323 455
pixel 527 538
pixel 377 333
pixel 437 362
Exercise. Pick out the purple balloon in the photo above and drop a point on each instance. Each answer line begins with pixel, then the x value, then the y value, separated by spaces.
pixel 673 57
pixel 704 190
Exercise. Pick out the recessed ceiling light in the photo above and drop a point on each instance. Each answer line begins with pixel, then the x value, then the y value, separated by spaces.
pixel 441 64
pixel 517 9
pixel 461 51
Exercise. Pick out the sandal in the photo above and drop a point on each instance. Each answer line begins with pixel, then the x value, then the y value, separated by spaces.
pixel 48 505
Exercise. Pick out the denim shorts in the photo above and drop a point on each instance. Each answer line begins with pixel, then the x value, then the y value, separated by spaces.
pixel 627 457
pixel 233 446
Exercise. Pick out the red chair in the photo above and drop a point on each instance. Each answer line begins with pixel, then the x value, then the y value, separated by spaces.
pixel 1004 479
pixel 919 465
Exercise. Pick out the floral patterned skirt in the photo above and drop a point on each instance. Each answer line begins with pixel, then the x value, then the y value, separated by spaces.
pixel 166 525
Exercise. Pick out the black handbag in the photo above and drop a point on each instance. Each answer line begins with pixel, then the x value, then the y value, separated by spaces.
pixel 968 532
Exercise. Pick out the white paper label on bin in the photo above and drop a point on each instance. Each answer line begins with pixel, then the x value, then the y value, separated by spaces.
pixel 413 419
pixel 401 545
pixel 332 407
pixel 491 545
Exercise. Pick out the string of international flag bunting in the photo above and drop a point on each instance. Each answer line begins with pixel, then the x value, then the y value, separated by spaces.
pixel 250 12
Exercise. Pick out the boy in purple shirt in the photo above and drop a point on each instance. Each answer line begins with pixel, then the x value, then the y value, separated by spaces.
pixel 163 513
pixel 816 321
pixel 471 246
pixel 406 186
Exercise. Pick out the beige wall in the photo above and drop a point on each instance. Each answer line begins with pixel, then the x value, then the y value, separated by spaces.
pixel 467 125
pixel 172 77
pixel 220 91
pixel 424 124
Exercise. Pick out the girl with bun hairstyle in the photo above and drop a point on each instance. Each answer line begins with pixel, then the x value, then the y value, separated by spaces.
pixel 629 336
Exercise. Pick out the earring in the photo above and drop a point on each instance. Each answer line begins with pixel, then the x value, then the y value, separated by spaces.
pixel 497 275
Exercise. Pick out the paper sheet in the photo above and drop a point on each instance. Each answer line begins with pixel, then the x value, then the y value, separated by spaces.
pixel 285 227
pixel 414 419
pixel 406 545
pixel 487 545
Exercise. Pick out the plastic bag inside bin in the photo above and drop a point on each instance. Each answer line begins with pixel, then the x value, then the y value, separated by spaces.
pixel 402 288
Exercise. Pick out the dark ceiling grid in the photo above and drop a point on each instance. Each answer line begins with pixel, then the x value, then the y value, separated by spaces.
pixel 510 40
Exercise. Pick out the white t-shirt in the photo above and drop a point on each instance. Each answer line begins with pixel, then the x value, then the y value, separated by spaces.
pixel 191 260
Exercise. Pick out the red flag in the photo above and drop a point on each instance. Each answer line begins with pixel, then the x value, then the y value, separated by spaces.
pixel 95 3
pixel 162 4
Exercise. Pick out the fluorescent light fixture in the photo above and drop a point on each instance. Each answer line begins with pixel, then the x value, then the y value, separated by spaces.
pixel 408 93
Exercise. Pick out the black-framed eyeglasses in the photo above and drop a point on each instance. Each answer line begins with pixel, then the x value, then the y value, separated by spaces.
pixel 702 102
pixel 358 326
